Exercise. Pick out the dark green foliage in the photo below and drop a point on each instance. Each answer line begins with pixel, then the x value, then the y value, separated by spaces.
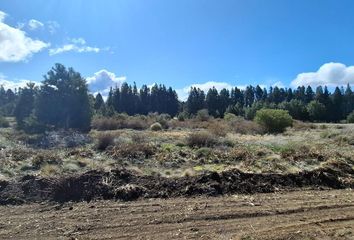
pixel 99 103
pixel 128 99
pixel 32 125
pixel 274 120
pixel 7 101
pixel 195 101
pixel 350 118
pixel 4 123
pixel 316 110
pixel 337 105
pixel 63 100
pixel 25 103
pixel 296 108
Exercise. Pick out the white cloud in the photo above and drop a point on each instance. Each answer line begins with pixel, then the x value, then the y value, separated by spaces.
pixel 102 80
pixel 278 84
pixel 8 84
pixel 15 45
pixel 53 26
pixel 75 45
pixel 34 24
pixel 183 93
pixel 78 41
pixel 330 74
pixel 2 16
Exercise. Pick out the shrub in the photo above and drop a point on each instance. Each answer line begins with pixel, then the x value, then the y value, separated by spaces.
pixel 296 108
pixel 242 126
pixel 274 120
pixel 317 111
pixel 104 140
pixel 132 150
pixel 4 123
pixel 32 126
pixel 43 158
pixel 156 127
pixel 219 128
pixel 203 115
pixel 229 116
pixel 201 139
pixel 350 118
pixel 104 124
pixel 182 116
pixel 120 121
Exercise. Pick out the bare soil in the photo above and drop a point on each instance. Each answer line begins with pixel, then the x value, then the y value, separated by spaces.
pixel 128 185
pixel 305 214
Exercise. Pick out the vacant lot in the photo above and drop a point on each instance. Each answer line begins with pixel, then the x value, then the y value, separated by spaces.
pixel 205 180
pixel 327 214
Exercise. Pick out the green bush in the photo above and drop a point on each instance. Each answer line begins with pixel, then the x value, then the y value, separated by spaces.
pixel 156 127
pixel 182 116
pixel 203 115
pixel 229 117
pixel 350 118
pixel 4 123
pixel 317 111
pixel 274 120
pixel 31 125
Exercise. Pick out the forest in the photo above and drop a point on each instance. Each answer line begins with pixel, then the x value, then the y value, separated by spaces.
pixel 63 100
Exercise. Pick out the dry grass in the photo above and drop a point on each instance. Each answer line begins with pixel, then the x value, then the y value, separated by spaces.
pixel 201 139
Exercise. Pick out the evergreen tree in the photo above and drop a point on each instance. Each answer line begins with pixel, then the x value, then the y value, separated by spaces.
pixel 212 102
pixel 99 103
pixel 63 99
pixel 195 101
pixel 25 104
pixel 224 101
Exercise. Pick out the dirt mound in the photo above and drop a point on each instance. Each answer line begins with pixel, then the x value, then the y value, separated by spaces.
pixel 128 185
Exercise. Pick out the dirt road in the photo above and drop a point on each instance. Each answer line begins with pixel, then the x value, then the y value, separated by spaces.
pixel 327 214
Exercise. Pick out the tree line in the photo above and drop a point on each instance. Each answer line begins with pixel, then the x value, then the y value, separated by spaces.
pixel 302 103
pixel 132 101
pixel 63 101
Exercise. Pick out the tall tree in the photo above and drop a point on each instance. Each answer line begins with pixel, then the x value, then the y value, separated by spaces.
pixel 63 99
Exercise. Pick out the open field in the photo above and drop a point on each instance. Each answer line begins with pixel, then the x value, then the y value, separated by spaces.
pixel 327 214
pixel 236 185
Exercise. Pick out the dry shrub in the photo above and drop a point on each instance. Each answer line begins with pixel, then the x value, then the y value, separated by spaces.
pixel 156 127
pixel 302 152
pixel 218 128
pixel 135 123
pixel 19 154
pixel 133 150
pixel 242 126
pixel 189 124
pixel 239 154
pixel 300 126
pixel 104 140
pixel 46 158
pixel 201 139
pixel 104 124
pixel 49 170
pixel 114 123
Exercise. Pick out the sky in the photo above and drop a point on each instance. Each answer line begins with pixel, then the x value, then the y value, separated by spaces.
pixel 179 43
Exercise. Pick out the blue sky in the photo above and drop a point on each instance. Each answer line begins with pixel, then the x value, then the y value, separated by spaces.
pixel 180 42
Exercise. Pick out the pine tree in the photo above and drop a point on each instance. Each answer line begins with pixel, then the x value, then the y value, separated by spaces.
pixel 25 104
pixel 212 102
pixel 63 99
